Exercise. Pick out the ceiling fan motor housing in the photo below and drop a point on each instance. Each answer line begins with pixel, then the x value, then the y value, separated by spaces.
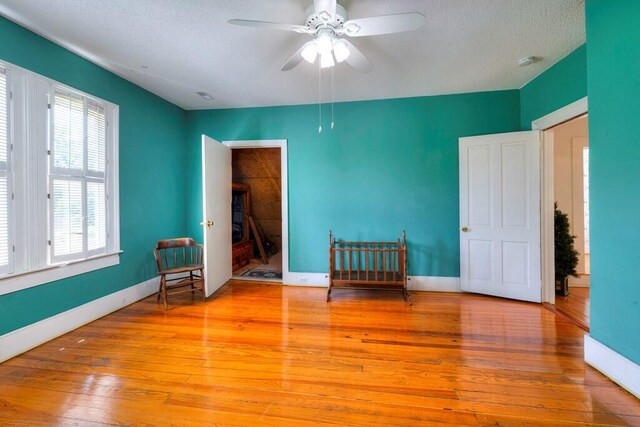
pixel 315 20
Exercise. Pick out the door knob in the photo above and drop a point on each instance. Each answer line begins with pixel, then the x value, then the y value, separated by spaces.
pixel 464 229
pixel 207 223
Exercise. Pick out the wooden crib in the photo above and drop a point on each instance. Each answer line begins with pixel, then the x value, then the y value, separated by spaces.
pixel 368 265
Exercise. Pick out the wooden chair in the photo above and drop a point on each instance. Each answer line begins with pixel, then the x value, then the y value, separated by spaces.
pixel 181 260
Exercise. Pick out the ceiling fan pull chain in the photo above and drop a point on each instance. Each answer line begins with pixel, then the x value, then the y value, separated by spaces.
pixel 319 98
pixel 332 124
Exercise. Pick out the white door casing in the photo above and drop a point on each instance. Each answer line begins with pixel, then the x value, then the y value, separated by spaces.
pixel 216 206
pixel 578 144
pixel 500 215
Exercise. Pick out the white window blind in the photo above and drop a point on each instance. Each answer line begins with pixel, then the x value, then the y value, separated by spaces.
pixel 96 143
pixel 68 132
pixel 77 178
pixel 5 177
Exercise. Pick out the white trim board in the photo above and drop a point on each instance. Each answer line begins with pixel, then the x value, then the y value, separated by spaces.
pixel 612 364
pixel 415 283
pixel 284 191
pixel 30 336
pixel 30 279
pixel 434 284
pixel 561 115
pixel 307 279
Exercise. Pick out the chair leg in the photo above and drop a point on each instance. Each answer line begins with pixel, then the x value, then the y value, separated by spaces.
pixel 159 289
pixel 163 284
pixel 204 296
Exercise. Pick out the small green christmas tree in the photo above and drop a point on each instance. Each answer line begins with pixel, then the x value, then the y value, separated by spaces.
pixel 566 257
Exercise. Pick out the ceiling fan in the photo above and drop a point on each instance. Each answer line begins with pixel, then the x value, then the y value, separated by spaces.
pixel 327 22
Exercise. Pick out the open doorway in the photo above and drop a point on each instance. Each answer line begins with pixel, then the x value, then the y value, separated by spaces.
pixel 579 308
pixel 257 214
pixel 571 193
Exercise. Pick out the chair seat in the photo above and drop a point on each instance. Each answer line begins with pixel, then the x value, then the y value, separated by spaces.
pixel 182 269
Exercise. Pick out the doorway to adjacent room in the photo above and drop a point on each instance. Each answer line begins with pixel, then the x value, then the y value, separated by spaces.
pixel 565 179
pixel 258 228
pixel 571 193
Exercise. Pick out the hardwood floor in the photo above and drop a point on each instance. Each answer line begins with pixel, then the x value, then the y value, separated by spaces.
pixel 261 354
pixel 576 306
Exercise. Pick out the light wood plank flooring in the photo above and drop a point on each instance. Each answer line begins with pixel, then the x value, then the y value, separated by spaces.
pixel 260 354
pixel 576 305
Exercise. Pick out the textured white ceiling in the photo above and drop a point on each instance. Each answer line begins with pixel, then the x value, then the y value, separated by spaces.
pixel 188 46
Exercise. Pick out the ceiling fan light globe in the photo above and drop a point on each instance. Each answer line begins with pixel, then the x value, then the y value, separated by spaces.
pixel 340 50
pixel 325 43
pixel 326 60
pixel 310 52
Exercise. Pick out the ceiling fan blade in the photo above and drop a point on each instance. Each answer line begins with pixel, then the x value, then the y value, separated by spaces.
pixel 296 58
pixel 357 59
pixel 377 25
pixel 326 9
pixel 270 25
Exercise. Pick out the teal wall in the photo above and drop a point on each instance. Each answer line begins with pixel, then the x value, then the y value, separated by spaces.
pixel 152 181
pixel 388 166
pixel 560 85
pixel 613 53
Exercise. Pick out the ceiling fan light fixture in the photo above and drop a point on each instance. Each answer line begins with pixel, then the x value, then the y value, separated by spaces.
pixel 326 60
pixel 340 50
pixel 310 52
pixel 324 42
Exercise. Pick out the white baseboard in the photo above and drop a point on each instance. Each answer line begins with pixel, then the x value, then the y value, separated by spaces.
pixel 28 337
pixel 434 283
pixel 415 283
pixel 614 365
pixel 579 282
pixel 306 279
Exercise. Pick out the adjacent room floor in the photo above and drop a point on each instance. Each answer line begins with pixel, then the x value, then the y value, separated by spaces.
pixel 576 306
pixel 258 271
pixel 263 354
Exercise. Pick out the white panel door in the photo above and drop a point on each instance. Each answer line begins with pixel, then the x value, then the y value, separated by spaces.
pixel 216 206
pixel 500 215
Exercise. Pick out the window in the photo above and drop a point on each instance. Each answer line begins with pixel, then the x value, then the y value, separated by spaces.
pixel 58 181
pixel 6 244
pixel 77 178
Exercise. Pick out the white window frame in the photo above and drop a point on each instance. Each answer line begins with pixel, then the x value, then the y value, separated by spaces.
pixel 7 170
pixel 30 120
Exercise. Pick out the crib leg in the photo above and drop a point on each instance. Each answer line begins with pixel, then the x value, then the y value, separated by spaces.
pixel 407 297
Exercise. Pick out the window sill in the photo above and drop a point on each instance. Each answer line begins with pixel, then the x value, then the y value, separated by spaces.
pixel 20 281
